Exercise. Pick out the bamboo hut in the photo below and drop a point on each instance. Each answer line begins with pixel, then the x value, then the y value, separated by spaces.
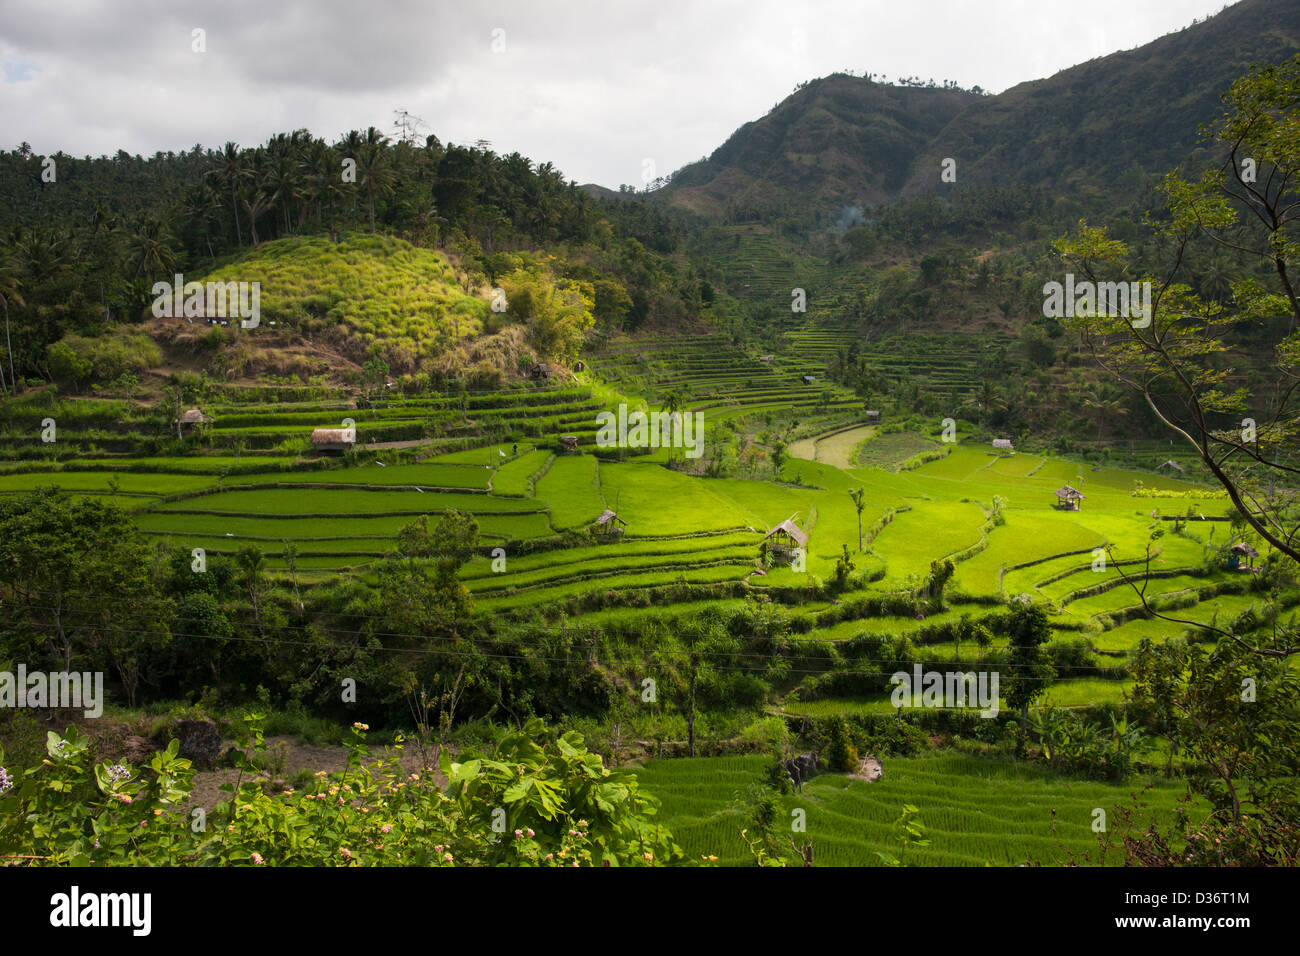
pixel 780 543
pixel 1069 498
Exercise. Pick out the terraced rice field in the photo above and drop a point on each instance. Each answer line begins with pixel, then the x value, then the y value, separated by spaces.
pixel 497 455
pixel 976 812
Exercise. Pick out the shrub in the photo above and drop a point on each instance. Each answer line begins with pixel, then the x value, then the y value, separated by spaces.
pixel 572 810
pixel 840 753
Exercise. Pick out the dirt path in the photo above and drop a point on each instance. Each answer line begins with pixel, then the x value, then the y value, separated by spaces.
pixel 834 448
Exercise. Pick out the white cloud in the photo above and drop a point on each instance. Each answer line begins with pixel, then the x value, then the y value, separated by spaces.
pixel 591 87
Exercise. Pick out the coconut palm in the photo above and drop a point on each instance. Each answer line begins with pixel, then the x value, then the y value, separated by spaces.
pixel 232 172
pixel 9 293
pixel 373 169
pixel 282 185
pixel 151 248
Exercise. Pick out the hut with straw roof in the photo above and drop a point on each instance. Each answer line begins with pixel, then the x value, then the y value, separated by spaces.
pixel 781 542
pixel 1233 556
pixel 333 439
pixel 1069 498
pixel 189 421
pixel 607 525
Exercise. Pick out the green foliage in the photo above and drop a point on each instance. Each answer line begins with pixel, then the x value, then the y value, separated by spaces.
pixel 840 754
pixel 909 832
pixel 77 361
pixel 556 311
pixel 538 800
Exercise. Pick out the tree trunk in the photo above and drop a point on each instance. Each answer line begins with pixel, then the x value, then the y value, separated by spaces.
pixel 13 379
pixel 690 720
pixel 234 207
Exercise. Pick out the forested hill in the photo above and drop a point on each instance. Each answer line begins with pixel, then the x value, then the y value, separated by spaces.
pixel 1097 130
pixel 82 240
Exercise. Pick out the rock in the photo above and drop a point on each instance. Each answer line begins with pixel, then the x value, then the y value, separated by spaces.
pixel 136 750
pixel 800 768
pixel 200 741
pixel 869 769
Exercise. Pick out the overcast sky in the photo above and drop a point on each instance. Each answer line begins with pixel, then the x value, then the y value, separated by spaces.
pixel 597 88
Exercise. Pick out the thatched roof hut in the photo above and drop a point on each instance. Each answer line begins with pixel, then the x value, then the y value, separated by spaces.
pixel 607 525
pixel 873 415
pixel 783 539
pixel 545 372
pixel 333 439
pixel 1233 555
pixel 569 442
pixel 1002 444
pixel 1173 465
pixel 608 517
pixel 1069 497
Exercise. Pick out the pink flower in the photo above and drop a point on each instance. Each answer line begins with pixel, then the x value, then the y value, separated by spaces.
pixel 124 797
pixel 257 859
pixel 346 854
pixel 447 857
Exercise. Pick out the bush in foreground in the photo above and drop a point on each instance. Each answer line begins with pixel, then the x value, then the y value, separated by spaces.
pixel 539 799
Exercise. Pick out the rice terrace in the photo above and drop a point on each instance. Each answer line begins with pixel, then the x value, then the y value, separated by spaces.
pixel 793 509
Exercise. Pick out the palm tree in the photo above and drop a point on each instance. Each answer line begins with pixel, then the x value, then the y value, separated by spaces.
pixel 1216 281
pixel 151 248
pixel 254 196
pixel 282 186
pixel 1107 402
pixel 859 505
pixel 321 170
pixel 9 292
pixel 201 205
pixel 232 171
pixel 373 168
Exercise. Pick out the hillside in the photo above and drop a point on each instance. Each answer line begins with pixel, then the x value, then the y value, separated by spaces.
pixel 838 141
pixel 1099 128
pixel 364 296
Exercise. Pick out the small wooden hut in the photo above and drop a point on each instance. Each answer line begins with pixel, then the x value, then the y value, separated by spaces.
pixel 873 415
pixel 1068 498
pixel 1003 446
pixel 809 379
pixel 546 372
pixel 1232 556
pixel 333 439
pixel 607 525
pixel 192 419
pixel 780 543
pixel 568 442
pixel 1172 466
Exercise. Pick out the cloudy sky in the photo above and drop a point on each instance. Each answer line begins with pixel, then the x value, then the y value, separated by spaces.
pixel 597 88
